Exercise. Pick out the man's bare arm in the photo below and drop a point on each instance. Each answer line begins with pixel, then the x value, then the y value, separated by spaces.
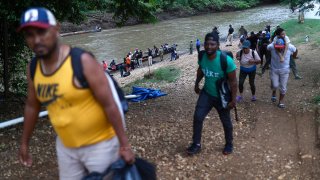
pixel 31 112
pixel 99 85
pixel 200 75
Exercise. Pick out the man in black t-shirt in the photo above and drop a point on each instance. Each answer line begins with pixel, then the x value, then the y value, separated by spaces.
pixel 263 42
pixel 230 36
pixel 253 40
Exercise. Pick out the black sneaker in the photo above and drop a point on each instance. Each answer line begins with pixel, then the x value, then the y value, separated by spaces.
pixel 193 149
pixel 228 148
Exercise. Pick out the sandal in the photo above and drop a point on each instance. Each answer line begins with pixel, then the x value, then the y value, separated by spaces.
pixel 273 99
pixel 281 105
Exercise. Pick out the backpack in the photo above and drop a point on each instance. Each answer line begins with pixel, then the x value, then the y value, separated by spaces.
pixel 75 54
pixel 120 170
pixel 222 84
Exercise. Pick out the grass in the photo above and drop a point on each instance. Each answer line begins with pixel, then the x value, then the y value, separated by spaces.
pixel 316 99
pixel 161 75
pixel 297 32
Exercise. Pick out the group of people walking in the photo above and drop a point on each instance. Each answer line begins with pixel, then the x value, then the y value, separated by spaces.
pixel 278 52
pixel 85 111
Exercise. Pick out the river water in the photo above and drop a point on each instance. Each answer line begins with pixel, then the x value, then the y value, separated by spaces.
pixel 116 43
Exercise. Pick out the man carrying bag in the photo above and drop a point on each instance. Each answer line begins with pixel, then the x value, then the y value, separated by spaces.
pixel 211 68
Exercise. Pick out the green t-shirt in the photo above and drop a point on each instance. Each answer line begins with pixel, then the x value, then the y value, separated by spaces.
pixel 212 71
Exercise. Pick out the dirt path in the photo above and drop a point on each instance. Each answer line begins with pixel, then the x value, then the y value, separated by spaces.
pixel 270 143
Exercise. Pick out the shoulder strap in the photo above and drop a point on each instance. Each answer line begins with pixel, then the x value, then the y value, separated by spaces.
pixel 252 51
pixel 253 54
pixel 75 54
pixel 33 66
pixel 200 55
pixel 224 64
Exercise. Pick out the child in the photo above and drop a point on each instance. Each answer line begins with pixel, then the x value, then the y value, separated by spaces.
pixel 281 34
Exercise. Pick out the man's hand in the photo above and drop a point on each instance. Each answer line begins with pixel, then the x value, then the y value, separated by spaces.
pixel 197 89
pixel 232 104
pixel 127 155
pixel 24 156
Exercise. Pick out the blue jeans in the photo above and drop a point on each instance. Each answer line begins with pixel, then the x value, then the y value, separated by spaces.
pixel 204 105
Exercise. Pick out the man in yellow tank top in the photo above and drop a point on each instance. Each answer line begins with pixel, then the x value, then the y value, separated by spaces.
pixel 88 122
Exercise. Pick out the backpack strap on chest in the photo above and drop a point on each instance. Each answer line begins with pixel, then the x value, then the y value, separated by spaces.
pixel 77 67
pixel 200 55
pixel 33 66
pixel 224 64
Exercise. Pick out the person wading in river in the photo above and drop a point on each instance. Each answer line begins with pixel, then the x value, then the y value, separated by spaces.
pixel 87 120
pixel 210 69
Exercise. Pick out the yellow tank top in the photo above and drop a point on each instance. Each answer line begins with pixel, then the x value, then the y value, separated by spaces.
pixel 76 116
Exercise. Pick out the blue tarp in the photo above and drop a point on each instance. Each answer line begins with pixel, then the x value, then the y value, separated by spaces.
pixel 146 93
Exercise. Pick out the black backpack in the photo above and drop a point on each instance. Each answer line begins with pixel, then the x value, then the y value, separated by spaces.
pixel 75 54
pixel 222 84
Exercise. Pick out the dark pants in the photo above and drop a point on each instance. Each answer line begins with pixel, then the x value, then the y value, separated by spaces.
pixel 204 105
pixel 198 48
pixel 242 78
pixel 293 67
pixel 264 52
pixel 121 69
pixel 268 61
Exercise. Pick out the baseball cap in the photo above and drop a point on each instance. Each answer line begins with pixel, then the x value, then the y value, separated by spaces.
pixel 279 44
pixel 37 17
pixel 264 32
pixel 246 44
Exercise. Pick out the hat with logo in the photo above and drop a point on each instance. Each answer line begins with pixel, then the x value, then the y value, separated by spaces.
pixel 279 44
pixel 37 17
pixel 246 44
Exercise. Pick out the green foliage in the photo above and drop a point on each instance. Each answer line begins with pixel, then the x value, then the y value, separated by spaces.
pixel 297 32
pixel 205 4
pixel 71 10
pixel 168 74
pixel 165 74
pixel 18 55
pixel 294 3
pixel 123 9
pixel 316 99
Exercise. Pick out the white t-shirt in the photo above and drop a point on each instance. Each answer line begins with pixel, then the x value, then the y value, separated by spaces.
pixel 275 58
pixel 244 60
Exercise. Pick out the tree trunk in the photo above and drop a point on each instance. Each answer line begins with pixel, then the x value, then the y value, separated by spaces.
pixel 5 60
pixel 301 17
